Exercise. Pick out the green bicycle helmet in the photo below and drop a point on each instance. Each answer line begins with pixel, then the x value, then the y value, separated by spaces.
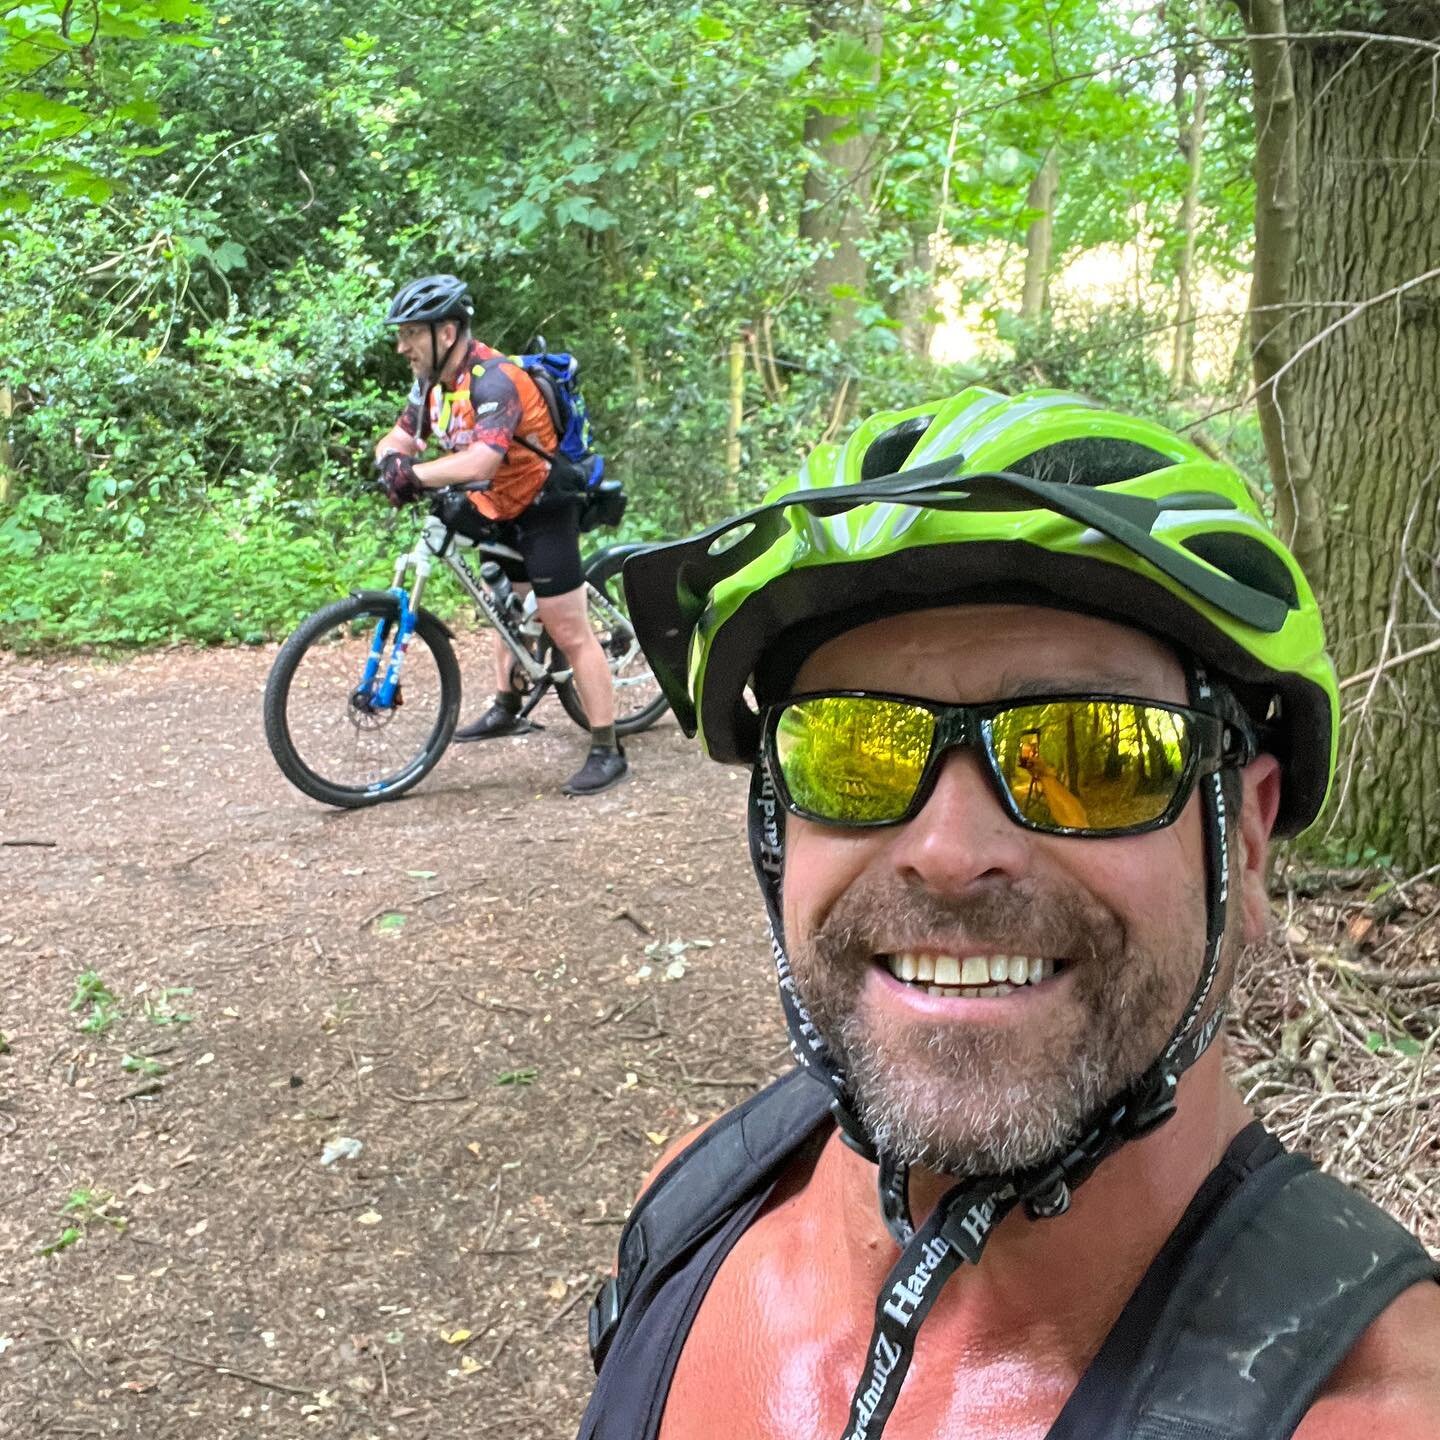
pixel 1045 497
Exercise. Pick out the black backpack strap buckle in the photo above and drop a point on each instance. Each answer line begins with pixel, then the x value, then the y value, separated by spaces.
pixel 604 1320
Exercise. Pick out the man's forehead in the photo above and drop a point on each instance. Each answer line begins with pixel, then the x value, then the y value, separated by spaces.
pixel 1001 650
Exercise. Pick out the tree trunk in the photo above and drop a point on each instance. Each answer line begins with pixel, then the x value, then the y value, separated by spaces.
pixel 7 451
pixel 838 178
pixel 1272 319
pixel 1039 235
pixel 1363 402
pixel 736 419
pixel 1191 141
pixel 915 306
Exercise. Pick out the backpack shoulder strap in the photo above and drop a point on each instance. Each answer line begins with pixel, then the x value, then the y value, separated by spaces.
pixel 1271 1276
pixel 1272 1308
pixel 742 1150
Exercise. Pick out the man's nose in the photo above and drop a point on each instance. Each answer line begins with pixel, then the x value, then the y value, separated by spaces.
pixel 962 836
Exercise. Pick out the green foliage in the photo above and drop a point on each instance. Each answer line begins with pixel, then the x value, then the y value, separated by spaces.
pixel 72 79
pixel 85 1206
pixel 194 350
pixel 99 1004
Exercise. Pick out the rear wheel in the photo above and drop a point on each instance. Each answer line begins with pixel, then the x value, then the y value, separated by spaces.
pixel 639 701
pixel 327 736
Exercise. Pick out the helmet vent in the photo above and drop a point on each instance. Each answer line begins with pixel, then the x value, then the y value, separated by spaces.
pixel 1248 560
pixel 889 450
pixel 1090 461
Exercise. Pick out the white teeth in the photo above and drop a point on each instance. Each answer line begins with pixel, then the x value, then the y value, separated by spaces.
pixel 973 977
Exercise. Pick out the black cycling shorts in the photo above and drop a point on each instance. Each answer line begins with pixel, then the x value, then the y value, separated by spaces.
pixel 547 535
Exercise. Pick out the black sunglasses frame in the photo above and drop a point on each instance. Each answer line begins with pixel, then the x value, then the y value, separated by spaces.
pixel 1214 745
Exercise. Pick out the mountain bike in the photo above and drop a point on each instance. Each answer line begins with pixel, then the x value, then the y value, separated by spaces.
pixel 363 697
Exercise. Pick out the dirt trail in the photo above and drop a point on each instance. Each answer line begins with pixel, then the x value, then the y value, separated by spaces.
pixel 460 982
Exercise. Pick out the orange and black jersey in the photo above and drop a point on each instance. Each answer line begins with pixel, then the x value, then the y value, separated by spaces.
pixel 492 401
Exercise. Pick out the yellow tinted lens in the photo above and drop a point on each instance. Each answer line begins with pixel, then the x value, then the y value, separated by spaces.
pixel 852 759
pixel 1091 764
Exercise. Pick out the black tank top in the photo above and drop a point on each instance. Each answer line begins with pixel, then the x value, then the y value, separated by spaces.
pixel 1272 1274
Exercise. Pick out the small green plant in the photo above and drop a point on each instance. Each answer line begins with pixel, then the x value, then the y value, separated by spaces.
pixel 524 1076
pixel 141 1065
pixel 100 1005
pixel 86 1206
pixel 160 1009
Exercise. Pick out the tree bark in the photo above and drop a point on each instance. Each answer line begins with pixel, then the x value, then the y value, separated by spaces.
pixel 1272 318
pixel 736 418
pixel 7 451
pixel 1039 236
pixel 1363 402
pixel 915 306
pixel 1191 141
pixel 838 177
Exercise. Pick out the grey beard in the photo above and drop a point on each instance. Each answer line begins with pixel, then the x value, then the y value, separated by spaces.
pixel 967 1100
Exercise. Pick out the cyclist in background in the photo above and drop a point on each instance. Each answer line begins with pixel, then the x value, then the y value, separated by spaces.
pixel 480 408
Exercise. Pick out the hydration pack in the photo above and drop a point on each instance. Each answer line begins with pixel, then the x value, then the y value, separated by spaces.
pixel 555 374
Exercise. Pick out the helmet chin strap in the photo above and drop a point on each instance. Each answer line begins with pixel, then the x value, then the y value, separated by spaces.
pixel 438 364
pixel 966 1216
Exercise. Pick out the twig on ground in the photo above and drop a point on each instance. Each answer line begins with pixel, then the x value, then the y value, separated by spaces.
pixel 564 1310
pixel 495 1213
pixel 635 920
pixel 56 1338
pixel 429 1099
pixel 235 1374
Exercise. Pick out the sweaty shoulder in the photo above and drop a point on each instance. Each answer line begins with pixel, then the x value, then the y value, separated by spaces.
pixel 1389 1383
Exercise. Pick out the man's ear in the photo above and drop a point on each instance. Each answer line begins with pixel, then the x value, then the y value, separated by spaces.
pixel 1260 790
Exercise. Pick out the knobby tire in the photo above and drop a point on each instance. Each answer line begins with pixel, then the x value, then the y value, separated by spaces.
pixel 412 768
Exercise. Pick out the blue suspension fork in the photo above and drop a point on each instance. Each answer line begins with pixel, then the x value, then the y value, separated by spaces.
pixel 383 697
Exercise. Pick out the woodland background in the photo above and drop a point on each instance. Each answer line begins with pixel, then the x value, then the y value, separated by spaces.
pixel 753 221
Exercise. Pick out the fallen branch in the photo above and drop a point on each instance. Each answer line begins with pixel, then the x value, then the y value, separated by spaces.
pixel 235 1374
pixel 635 920
pixel 564 1310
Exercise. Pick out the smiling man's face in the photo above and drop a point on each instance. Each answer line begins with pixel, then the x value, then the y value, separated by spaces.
pixel 1100 940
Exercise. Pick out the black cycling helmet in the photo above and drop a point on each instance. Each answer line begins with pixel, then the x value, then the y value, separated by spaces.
pixel 431 299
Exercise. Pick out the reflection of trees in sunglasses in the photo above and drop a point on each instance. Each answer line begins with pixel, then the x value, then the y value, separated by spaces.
pixel 1082 764
pixel 852 758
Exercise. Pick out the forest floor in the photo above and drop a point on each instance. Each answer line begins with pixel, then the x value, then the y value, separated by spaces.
pixel 347 1148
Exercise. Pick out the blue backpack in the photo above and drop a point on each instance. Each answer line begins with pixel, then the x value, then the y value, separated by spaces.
pixel 555 374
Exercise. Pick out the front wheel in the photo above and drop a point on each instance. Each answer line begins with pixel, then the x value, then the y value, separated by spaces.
pixel 639 701
pixel 326 731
